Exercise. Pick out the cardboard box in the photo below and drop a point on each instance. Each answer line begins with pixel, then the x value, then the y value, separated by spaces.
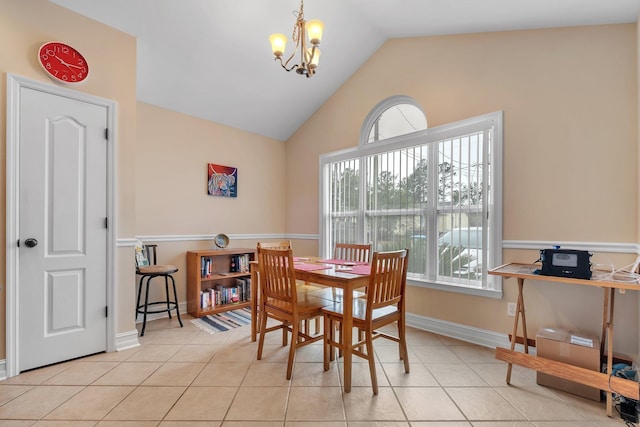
pixel 576 349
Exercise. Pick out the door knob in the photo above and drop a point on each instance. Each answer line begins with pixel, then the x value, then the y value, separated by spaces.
pixel 31 243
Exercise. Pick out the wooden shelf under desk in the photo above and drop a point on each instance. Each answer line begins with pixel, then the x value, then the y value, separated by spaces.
pixel 599 380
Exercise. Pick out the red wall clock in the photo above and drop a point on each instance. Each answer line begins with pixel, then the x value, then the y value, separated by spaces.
pixel 62 62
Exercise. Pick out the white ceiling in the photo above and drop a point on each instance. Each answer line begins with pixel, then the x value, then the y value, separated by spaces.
pixel 211 58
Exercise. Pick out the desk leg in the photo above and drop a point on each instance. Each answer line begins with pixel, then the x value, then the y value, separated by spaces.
pixel 254 301
pixel 514 335
pixel 347 336
pixel 605 320
pixel 608 315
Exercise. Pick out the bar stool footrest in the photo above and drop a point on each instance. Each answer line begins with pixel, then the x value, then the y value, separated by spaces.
pixel 173 306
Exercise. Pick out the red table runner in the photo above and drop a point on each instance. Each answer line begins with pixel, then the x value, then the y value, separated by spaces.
pixel 309 267
pixel 341 262
pixel 363 269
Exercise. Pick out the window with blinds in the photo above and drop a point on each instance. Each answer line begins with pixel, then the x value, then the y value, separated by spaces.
pixel 432 191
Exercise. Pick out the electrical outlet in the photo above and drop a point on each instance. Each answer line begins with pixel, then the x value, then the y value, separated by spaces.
pixel 511 309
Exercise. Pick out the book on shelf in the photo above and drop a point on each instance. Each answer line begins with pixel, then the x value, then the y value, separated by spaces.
pixel 205 267
pixel 212 296
pixel 239 263
pixel 205 299
pixel 244 288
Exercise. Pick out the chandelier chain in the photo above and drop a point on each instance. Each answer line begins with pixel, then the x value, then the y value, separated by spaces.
pixel 295 36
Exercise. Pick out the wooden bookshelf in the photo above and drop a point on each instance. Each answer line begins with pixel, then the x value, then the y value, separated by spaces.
pixel 212 269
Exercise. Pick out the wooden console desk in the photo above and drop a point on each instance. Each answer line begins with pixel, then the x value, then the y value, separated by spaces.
pixel 595 379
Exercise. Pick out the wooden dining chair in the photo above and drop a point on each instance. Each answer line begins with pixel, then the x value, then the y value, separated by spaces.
pixel 353 252
pixel 384 304
pixel 306 287
pixel 283 244
pixel 286 244
pixel 281 301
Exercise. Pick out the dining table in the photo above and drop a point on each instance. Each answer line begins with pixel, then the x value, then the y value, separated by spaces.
pixel 338 274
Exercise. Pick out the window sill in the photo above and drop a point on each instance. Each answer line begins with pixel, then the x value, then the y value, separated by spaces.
pixel 489 293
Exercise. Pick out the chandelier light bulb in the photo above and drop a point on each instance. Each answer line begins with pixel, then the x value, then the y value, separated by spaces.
pixel 314 31
pixel 278 44
pixel 316 57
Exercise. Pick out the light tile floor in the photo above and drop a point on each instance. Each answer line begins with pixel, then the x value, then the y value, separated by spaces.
pixel 187 377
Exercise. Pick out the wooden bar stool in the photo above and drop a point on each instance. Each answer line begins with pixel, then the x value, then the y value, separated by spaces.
pixel 147 269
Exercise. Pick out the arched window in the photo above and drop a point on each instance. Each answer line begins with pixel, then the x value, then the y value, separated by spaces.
pixel 437 192
pixel 395 116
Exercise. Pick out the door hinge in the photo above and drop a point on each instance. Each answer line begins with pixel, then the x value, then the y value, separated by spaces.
pixel 106 133
pixel 106 222
pixel 18 242
pixel 106 311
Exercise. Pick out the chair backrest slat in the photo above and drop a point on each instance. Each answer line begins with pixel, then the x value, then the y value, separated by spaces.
pixel 388 280
pixel 277 276
pixel 352 252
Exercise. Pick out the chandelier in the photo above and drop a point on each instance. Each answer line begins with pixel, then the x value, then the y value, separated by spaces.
pixel 308 56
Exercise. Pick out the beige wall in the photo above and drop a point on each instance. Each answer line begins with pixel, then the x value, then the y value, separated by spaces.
pixel 171 159
pixel 172 154
pixel 569 98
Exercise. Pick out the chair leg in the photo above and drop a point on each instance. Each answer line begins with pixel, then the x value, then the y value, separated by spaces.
pixel 372 362
pixel 263 326
pixel 361 337
pixel 328 350
pixel 295 328
pixel 317 326
pixel 139 295
pixel 285 333
pixel 402 336
pixel 339 325
pixel 175 298
pixel 146 306
pixel 166 292
pixel 331 330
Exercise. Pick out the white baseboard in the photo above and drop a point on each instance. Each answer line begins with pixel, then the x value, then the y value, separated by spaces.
pixel 127 340
pixel 460 332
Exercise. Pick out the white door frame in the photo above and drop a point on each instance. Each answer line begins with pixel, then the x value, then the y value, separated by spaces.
pixel 14 83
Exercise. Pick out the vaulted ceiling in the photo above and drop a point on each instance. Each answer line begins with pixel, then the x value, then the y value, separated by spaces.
pixel 212 59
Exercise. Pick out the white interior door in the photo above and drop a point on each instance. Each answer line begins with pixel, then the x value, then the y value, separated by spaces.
pixel 62 255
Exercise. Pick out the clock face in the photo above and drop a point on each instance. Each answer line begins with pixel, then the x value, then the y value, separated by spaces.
pixel 62 62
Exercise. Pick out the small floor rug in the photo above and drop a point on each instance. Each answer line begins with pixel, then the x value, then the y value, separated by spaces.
pixel 224 321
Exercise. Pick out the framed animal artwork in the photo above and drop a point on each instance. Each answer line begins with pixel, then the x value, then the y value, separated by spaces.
pixel 222 181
